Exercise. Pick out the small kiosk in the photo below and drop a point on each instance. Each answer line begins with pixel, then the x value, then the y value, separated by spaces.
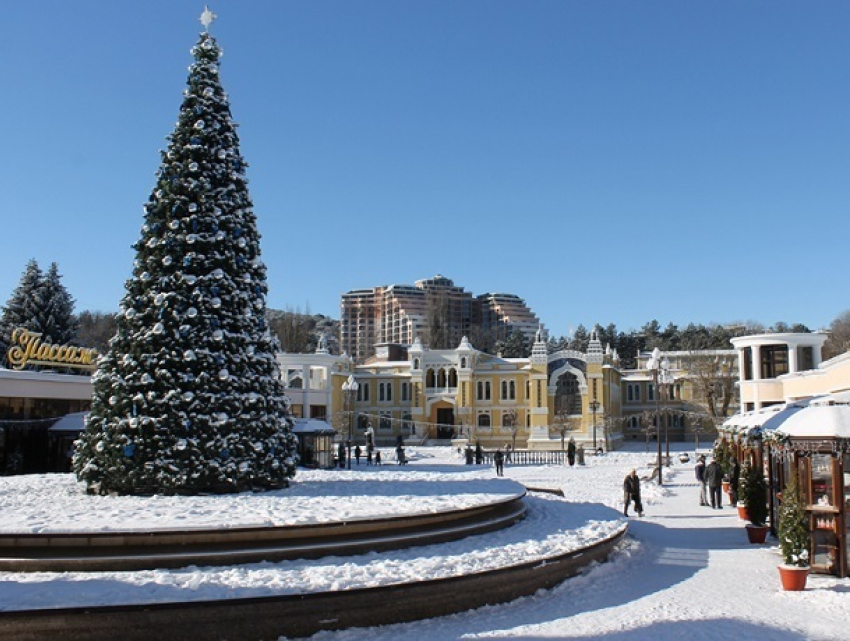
pixel 814 442
pixel 315 443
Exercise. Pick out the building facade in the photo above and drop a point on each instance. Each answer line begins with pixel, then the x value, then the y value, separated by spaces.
pixel 420 394
pixel 767 362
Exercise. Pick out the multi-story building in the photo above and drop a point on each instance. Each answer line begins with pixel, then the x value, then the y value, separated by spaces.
pixel 502 314
pixel 434 310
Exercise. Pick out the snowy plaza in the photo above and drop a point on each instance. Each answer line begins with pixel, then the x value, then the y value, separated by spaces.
pixel 683 570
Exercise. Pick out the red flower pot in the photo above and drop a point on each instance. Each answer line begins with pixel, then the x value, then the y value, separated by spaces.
pixel 793 577
pixel 742 513
pixel 756 533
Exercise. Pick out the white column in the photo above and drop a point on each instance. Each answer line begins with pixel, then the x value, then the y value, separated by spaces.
pixel 756 364
pixel 305 384
pixel 792 358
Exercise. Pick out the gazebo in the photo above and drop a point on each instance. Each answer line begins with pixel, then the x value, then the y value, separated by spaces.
pixel 315 442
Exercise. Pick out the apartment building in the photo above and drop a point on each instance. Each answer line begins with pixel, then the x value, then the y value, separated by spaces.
pixel 435 310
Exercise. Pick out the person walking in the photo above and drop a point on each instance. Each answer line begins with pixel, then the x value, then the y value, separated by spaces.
pixel 377 457
pixel 479 454
pixel 631 492
pixel 357 454
pixel 714 480
pixel 699 472
pixel 508 453
pixel 499 460
pixel 571 451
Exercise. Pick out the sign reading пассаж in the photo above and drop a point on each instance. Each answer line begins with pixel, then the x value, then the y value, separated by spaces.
pixel 27 349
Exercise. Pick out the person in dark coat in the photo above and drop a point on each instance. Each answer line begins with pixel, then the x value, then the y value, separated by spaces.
pixel 377 457
pixel 340 455
pixel 714 480
pixel 499 460
pixel 469 454
pixel 631 492
pixel 571 451
pixel 479 454
pixel 357 453
pixel 699 472
pixel 734 480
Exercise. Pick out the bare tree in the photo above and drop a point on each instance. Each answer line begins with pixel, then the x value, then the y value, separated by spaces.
pixel 94 329
pixel 565 423
pixel 839 336
pixel 712 378
pixel 293 329
pixel 509 421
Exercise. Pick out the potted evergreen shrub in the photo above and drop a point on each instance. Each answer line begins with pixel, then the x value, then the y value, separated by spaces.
pixel 723 456
pixel 742 491
pixel 755 499
pixel 793 538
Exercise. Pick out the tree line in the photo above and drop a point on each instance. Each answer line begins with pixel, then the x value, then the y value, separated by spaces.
pixel 41 303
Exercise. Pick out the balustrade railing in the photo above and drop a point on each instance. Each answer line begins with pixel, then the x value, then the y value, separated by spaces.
pixel 531 457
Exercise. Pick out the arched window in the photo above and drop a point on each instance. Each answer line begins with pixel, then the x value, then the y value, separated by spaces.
pixel 452 377
pixel 483 420
pixel 504 390
pixel 463 362
pixel 296 383
pixel 429 378
pixel 415 363
pixel 441 377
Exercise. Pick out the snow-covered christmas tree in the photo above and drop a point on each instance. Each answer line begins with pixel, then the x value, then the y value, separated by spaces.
pixel 188 399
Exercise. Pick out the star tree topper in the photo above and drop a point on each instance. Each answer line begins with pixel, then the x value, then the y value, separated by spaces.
pixel 207 17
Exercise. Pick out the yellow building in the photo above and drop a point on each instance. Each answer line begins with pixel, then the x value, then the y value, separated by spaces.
pixel 420 395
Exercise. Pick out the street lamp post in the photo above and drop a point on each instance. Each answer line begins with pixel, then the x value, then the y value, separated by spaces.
pixel 594 405
pixel 350 388
pixel 660 369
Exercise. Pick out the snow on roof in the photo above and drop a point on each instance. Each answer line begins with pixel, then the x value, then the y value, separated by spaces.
pixel 818 420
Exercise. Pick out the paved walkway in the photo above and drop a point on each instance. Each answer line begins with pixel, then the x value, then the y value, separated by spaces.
pixel 688 572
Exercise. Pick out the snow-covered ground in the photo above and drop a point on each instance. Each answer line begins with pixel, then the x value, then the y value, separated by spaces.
pixel 684 570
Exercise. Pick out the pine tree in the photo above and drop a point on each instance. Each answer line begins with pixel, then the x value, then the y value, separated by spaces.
pixel 188 398
pixel 515 346
pixel 57 321
pixel 793 526
pixel 23 309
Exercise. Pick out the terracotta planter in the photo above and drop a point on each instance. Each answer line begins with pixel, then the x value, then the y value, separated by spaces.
pixel 742 513
pixel 756 533
pixel 726 485
pixel 793 577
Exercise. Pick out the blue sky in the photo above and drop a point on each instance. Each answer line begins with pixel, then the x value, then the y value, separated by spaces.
pixel 613 161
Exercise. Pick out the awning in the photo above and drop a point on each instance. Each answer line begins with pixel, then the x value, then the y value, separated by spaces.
pixel 75 422
pixel 312 426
